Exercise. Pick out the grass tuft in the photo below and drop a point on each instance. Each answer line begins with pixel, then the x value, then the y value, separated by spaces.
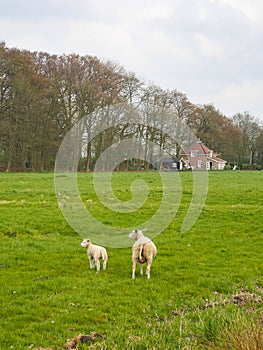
pixel 242 332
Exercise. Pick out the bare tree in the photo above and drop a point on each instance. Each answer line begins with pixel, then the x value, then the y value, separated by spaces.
pixel 251 131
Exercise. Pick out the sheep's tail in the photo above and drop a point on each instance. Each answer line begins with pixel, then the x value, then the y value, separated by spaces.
pixel 154 250
pixel 140 252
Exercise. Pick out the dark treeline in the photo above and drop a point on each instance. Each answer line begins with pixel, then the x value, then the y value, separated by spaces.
pixel 42 96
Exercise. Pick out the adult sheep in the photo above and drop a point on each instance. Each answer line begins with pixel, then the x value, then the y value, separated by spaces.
pixel 95 253
pixel 143 250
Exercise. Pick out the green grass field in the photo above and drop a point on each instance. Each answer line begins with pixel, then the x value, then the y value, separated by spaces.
pixel 206 286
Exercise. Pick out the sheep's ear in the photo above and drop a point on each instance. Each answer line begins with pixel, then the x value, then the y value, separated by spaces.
pixel 145 229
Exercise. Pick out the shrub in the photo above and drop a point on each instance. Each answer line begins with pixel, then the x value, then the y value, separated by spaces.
pixel 245 166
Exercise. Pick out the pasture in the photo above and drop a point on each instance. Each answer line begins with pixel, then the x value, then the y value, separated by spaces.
pixel 206 286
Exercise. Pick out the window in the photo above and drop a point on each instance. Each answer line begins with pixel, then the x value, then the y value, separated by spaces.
pixel 193 153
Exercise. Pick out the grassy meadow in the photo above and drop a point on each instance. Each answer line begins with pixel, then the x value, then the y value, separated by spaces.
pixel 206 286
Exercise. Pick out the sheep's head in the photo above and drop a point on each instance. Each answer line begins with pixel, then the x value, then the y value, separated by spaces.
pixel 85 243
pixel 136 234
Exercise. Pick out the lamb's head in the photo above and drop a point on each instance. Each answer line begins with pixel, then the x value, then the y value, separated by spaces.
pixel 85 243
pixel 136 234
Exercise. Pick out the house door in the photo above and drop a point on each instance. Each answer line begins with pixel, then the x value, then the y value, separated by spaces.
pixel 209 165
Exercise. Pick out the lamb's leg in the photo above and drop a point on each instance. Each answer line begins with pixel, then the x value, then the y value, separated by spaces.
pixel 104 264
pixel 97 262
pixel 91 263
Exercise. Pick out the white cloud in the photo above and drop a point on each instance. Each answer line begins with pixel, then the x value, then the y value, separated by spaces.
pixel 202 13
pixel 105 38
pixel 209 47
pixel 107 41
pixel 155 10
pixel 252 9
pixel 36 36
pixel 236 98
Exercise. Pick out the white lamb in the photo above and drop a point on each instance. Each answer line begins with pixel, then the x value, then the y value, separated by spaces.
pixel 143 250
pixel 95 253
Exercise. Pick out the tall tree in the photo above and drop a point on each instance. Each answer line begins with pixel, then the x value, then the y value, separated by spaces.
pixel 251 131
pixel 22 117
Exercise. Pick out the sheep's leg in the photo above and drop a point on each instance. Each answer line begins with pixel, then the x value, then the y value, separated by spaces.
pixel 133 269
pixel 141 268
pixel 148 271
pixel 104 264
pixel 148 267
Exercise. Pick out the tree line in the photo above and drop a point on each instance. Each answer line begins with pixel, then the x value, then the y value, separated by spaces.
pixel 42 96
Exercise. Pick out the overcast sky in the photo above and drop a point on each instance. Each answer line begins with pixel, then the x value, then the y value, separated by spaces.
pixel 211 50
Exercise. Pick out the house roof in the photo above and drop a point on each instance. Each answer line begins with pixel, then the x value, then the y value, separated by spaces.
pixel 218 160
pixel 203 150
pixel 198 146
